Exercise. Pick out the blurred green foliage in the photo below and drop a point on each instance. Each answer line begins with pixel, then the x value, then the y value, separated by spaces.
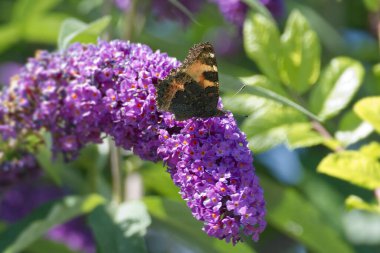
pixel 312 84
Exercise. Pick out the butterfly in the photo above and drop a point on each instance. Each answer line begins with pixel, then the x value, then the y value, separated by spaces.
pixel 192 90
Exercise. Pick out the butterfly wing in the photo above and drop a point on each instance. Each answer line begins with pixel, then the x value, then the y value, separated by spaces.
pixel 193 89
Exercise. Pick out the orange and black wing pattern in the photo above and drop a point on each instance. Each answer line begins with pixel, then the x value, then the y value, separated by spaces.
pixel 192 90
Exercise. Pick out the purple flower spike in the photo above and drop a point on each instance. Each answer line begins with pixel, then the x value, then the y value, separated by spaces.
pixel 109 89
pixel 86 92
pixel 211 163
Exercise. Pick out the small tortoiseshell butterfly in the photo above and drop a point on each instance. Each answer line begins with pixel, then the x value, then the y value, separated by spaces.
pixel 192 90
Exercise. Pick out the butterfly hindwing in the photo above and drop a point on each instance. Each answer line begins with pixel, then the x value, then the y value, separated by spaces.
pixel 192 90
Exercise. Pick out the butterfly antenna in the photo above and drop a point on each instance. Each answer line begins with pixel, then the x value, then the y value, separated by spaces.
pixel 240 89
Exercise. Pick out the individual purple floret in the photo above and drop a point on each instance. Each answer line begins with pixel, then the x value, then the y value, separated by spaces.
pixel 23 198
pixel 91 91
pixel 211 163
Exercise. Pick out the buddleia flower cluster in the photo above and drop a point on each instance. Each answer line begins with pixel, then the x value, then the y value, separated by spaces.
pixel 211 163
pixel 89 92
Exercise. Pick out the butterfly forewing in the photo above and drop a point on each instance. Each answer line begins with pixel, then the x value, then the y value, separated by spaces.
pixel 193 89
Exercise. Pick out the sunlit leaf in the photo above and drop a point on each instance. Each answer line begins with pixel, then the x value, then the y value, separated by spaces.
pixel 269 126
pixel 262 43
pixel 73 30
pixel 264 82
pixel 369 110
pixel 262 92
pixel 300 61
pixel 303 135
pixel 338 84
pixel 328 34
pixel 9 34
pixel 257 6
pixel 35 22
pixel 352 129
pixel 355 202
pixel 261 86
pixel 372 5
pixel 43 29
pixel 23 233
pixel 25 10
pixel 357 167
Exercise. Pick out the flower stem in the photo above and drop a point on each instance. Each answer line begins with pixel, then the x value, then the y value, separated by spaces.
pixel 117 192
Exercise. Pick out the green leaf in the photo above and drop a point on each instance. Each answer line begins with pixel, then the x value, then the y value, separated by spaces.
pixel 352 129
pixel 155 176
pixel 265 83
pixel 175 217
pixel 25 10
pixel 303 135
pixel 257 6
pixel 23 233
pixel 262 92
pixel 372 5
pixel 300 62
pixel 291 213
pixel 73 30
pixel 369 110
pixel 45 159
pixel 262 43
pixel 32 22
pixel 361 167
pixel 327 33
pixel 261 86
pixel 269 126
pixel 47 246
pixel 9 35
pixel 243 104
pixel 355 202
pixel 123 231
pixel 338 84
pixel 133 218
pixel 43 29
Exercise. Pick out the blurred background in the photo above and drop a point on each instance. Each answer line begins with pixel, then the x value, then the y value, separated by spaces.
pixel 301 116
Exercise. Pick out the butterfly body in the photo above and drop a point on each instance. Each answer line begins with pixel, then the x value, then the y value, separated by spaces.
pixel 192 90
